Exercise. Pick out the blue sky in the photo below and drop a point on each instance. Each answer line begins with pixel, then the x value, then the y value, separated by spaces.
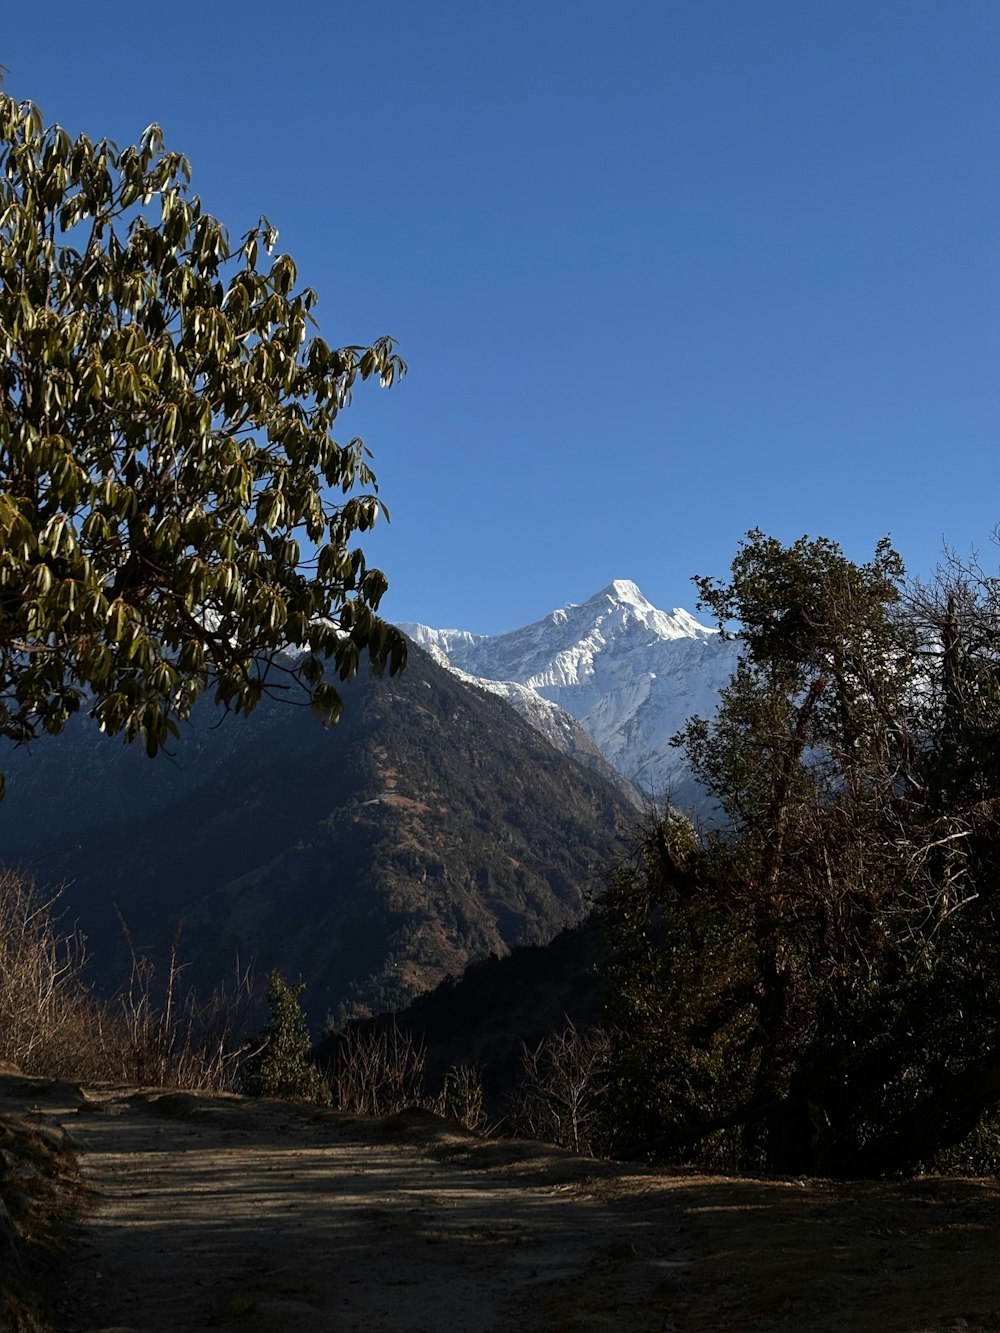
pixel 662 272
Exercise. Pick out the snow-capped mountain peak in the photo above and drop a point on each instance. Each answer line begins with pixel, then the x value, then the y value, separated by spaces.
pixel 630 673
pixel 625 599
pixel 623 590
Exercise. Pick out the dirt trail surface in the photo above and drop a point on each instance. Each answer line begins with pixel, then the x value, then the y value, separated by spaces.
pixel 212 1211
pixel 221 1212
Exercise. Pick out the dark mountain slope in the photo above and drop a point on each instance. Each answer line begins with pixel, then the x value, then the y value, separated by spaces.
pixel 431 826
pixel 499 1005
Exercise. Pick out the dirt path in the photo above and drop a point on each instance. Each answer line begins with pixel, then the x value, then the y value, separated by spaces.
pixel 214 1211
pixel 222 1212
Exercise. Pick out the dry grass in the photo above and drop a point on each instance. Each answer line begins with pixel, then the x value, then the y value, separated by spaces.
pixel 381 1073
pixel 163 1034
pixel 47 1019
pixel 155 1031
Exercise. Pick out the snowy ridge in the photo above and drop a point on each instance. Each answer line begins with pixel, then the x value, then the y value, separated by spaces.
pixel 629 673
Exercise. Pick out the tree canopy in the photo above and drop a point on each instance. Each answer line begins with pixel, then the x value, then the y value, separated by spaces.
pixel 175 512
pixel 811 985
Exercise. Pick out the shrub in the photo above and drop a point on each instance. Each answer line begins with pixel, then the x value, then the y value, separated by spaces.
pixel 561 1094
pixel 462 1099
pixel 378 1073
pixel 381 1072
pixel 280 1064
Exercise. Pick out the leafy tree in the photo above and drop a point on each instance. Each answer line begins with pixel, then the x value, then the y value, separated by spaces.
pixel 280 1064
pixel 683 991
pixel 174 508
pixel 813 978
pixel 959 619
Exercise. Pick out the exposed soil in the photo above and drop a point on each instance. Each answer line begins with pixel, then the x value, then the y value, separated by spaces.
pixel 220 1212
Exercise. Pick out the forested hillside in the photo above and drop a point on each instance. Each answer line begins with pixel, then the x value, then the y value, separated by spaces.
pixel 430 827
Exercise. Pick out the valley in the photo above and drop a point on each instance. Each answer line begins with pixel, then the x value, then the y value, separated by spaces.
pixel 447 817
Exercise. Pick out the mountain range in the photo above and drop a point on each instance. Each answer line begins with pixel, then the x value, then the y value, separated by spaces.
pixel 432 826
pixel 630 674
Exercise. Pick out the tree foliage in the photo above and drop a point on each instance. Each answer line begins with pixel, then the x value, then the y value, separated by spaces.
pixel 280 1065
pixel 811 983
pixel 174 508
